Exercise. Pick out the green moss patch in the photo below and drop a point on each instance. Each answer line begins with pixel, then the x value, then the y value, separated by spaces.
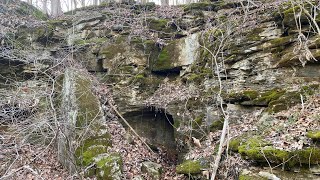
pixel 88 103
pixel 147 83
pixel 196 123
pixel 166 58
pixel 158 24
pixel 289 58
pixel 268 96
pixel 314 135
pixel 245 95
pixel 234 144
pixel 216 125
pixel 261 151
pixel 109 166
pixel 250 177
pixel 284 102
pixel 290 99
pixel 26 36
pixel 189 167
pixel 164 28
pixel 275 99
pixel 254 34
pixel 198 77
pixel 281 41
pixel 92 147
pixel 289 16
pixel 89 155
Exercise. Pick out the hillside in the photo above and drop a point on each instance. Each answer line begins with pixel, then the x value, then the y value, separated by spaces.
pixel 139 91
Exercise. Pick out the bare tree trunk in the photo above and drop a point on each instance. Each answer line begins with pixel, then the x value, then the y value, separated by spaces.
pixel 29 1
pixel 56 9
pixel 164 2
pixel 45 6
pixel 83 3
pixel 95 2
pixel 74 4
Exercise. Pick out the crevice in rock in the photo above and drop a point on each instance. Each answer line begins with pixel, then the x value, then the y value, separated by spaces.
pixel 169 72
pixel 156 126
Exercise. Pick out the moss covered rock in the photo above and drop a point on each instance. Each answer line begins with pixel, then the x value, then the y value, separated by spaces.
pixel 245 95
pixel 92 147
pixel 164 27
pixel 109 167
pixel 291 98
pixel 166 59
pixel 88 103
pixel 216 125
pixel 290 13
pixel 290 58
pixel 250 177
pixel 275 99
pixel 189 167
pixel 27 36
pixel 261 151
pixel 83 115
pixel 314 135
pixel 234 144
pixel 176 54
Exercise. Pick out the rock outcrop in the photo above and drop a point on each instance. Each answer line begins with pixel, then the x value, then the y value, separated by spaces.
pixel 199 63
pixel 84 140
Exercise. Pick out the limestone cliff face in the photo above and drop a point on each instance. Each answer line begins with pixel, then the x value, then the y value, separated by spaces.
pixel 171 59
pixel 259 64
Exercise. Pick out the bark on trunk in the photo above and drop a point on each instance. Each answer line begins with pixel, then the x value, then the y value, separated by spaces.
pixel 56 9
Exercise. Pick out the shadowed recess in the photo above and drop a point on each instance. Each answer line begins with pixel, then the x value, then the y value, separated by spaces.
pixel 155 126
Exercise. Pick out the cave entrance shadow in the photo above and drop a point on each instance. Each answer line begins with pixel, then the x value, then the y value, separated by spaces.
pixel 156 126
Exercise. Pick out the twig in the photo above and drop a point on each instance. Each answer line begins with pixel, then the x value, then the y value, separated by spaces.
pixel 126 122
pixel 218 157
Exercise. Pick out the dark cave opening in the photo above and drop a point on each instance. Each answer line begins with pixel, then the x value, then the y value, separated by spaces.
pixel 156 126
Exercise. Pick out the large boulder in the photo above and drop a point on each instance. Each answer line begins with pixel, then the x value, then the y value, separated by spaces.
pixel 154 170
pixel 83 141
pixel 177 54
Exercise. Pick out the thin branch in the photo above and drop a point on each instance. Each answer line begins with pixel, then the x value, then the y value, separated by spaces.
pixel 130 127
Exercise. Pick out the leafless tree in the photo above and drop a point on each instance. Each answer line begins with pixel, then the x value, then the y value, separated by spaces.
pixel 45 6
pixel 165 2
pixel 74 4
pixel 83 3
pixel 56 9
